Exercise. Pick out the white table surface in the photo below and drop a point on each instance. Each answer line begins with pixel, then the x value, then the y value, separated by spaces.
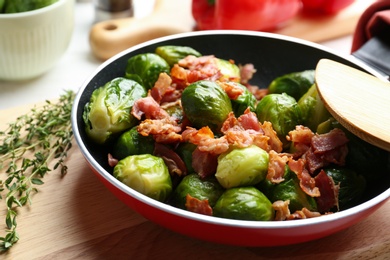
pixel 78 63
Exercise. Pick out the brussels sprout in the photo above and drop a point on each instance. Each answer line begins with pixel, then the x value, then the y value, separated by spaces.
pixel 313 111
pixel 244 203
pixel 145 68
pixel 245 100
pixel 282 111
pixel 352 186
pixel 229 70
pixel 172 54
pixel 205 103
pixel 146 174
pixel 17 6
pixel 290 190
pixel 202 189
pixel 185 150
pixel 132 143
pixel 294 84
pixel 242 167
pixel 108 111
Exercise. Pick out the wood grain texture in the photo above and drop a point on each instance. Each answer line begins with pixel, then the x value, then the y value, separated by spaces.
pixel 76 217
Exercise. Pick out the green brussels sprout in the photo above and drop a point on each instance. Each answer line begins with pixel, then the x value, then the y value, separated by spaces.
pixel 289 189
pixel 108 111
pixel 352 186
pixel 146 174
pixel 145 68
pixel 294 84
pixel 245 100
pixel 242 167
pixel 205 103
pixel 244 203
pixel 172 54
pixel 176 112
pixel 313 111
pixel 202 189
pixel 282 111
pixel 228 69
pixel 185 150
pixel 17 6
pixel 132 143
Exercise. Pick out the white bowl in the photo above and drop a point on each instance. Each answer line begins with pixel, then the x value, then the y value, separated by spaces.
pixel 32 42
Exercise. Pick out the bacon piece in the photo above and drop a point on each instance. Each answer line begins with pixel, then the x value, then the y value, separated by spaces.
pixel 112 161
pixel 274 141
pixel 198 206
pixel 301 140
pixel 303 214
pixel 326 149
pixel 232 90
pixel 246 72
pixel 163 130
pixel 149 107
pixel 161 87
pixel 282 212
pixel 329 192
pixel 175 164
pixel 204 139
pixel 204 163
pixel 306 182
pixel 249 120
pixel 276 167
pixel 259 93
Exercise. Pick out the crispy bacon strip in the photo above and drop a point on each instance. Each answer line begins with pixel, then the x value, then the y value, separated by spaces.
pixel 301 140
pixel 149 107
pixel 198 206
pixel 232 90
pixel 204 139
pixel 161 87
pixel 274 141
pixel 111 160
pixel 204 163
pixel 276 167
pixel 246 72
pixel 175 164
pixel 306 182
pixel 303 214
pixel 329 192
pixel 282 212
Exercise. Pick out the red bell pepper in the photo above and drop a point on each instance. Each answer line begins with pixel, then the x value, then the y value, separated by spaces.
pixel 259 15
pixel 329 7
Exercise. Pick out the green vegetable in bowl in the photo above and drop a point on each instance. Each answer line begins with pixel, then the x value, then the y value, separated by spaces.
pixel 17 6
pixel 146 174
pixel 244 203
pixel 352 185
pixel 282 111
pixel 205 103
pixel 132 143
pixel 289 189
pixel 228 69
pixel 294 84
pixel 108 111
pixel 172 54
pixel 145 68
pixel 202 189
pixel 242 167
pixel 313 111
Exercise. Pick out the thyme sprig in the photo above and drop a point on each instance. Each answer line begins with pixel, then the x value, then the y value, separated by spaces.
pixel 27 148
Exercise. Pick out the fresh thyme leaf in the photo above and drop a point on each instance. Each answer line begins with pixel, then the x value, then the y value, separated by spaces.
pixel 27 147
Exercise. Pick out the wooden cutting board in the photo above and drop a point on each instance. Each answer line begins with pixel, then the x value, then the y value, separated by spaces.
pixel 76 217
pixel 169 17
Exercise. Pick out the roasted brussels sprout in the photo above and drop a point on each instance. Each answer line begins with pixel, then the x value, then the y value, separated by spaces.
pixel 244 203
pixel 132 143
pixel 146 174
pixel 229 70
pixel 245 100
pixel 352 186
pixel 290 190
pixel 294 84
pixel 313 111
pixel 282 111
pixel 108 111
pixel 242 167
pixel 172 54
pixel 205 103
pixel 202 189
pixel 145 68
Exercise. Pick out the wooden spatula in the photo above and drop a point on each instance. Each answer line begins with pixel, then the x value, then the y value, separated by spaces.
pixel 359 101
